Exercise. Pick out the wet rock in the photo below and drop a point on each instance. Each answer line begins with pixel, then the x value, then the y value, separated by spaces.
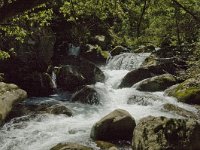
pixel 180 111
pixel 146 72
pixel 157 83
pixel 81 71
pixel 38 84
pixel 86 95
pixel 69 78
pixel 9 95
pixel 70 146
pixel 166 133
pixel 59 109
pixel 23 109
pixel 2 79
pixel 118 50
pixel 187 92
pixel 145 49
pixel 106 145
pixel 144 100
pixel 117 125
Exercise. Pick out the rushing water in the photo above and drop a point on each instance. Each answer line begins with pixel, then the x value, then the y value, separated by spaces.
pixel 46 130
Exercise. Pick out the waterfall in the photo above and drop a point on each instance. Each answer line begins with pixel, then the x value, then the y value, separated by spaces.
pixel 73 50
pixel 46 130
pixel 127 61
pixel 53 78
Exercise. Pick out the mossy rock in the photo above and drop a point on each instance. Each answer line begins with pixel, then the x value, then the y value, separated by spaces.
pixel 157 83
pixel 70 146
pixel 161 133
pixel 105 145
pixel 187 92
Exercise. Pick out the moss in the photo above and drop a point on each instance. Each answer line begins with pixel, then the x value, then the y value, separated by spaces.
pixel 104 145
pixel 187 95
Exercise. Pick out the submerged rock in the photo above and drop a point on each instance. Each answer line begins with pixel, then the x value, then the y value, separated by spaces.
pixel 187 92
pixel 86 95
pixel 22 109
pixel 145 99
pixel 106 145
pixel 117 125
pixel 166 133
pixel 157 83
pixel 180 111
pixel 9 95
pixel 70 146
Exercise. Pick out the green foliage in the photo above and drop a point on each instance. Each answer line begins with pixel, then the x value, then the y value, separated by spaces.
pixel 128 22
pixel 4 55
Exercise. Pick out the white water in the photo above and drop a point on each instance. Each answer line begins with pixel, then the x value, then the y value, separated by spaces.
pixel 44 131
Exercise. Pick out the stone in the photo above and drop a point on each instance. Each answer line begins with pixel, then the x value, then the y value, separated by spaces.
pixel 118 50
pixel 69 78
pixel 59 109
pixel 166 133
pixel 106 145
pixel 77 72
pixel 70 146
pixel 145 72
pixel 117 125
pixel 180 111
pixel 22 109
pixel 86 95
pixel 187 91
pixel 157 83
pixel 9 95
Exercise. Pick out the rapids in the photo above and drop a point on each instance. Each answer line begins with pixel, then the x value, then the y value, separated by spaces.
pixel 43 131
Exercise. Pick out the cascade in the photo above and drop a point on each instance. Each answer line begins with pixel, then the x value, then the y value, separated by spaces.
pixel 53 78
pixel 46 130
pixel 127 61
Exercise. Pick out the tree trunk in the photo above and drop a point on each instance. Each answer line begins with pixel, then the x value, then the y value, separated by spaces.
pixel 187 10
pixel 141 17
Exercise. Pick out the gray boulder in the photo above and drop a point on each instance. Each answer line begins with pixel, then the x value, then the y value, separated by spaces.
pixel 166 133
pixel 117 125
pixel 86 95
pixel 9 95
pixel 142 73
pixel 157 83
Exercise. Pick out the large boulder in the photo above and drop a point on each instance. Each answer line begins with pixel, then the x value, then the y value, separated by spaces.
pixel 187 92
pixel 37 84
pixel 69 78
pixel 9 95
pixel 27 108
pixel 70 146
pixel 80 72
pixel 117 125
pixel 146 72
pixel 86 95
pixel 166 133
pixel 157 83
